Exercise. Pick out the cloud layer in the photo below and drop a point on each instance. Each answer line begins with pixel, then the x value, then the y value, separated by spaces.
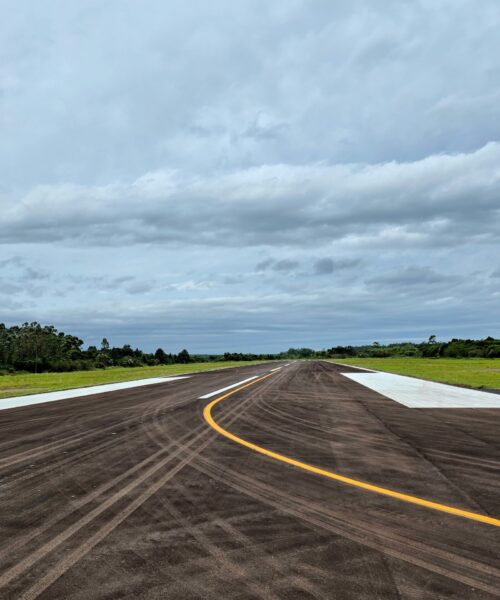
pixel 437 200
pixel 251 175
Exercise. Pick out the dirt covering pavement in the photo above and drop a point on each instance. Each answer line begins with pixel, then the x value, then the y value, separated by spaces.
pixel 131 494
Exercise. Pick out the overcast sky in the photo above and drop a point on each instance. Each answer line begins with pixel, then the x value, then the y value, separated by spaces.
pixel 251 175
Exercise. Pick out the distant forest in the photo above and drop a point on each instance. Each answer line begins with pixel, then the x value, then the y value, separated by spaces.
pixel 36 348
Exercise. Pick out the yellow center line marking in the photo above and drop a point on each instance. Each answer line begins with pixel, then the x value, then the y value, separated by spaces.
pixel 207 414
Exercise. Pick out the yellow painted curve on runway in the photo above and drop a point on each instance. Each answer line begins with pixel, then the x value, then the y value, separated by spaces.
pixel 207 414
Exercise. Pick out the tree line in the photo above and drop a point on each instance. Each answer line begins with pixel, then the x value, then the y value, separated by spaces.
pixel 432 348
pixel 36 348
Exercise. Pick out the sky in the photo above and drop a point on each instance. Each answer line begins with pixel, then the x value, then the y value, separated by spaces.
pixel 252 175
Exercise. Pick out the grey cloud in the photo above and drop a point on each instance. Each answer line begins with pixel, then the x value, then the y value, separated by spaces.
pixel 118 281
pixel 427 201
pixel 412 276
pixel 21 278
pixel 9 288
pixel 326 266
pixel 216 323
pixel 263 265
pixel 35 274
pixel 101 282
pixel 13 261
pixel 231 280
pixel 266 127
pixel 270 82
pixel 323 266
pixel 139 287
pixel 283 265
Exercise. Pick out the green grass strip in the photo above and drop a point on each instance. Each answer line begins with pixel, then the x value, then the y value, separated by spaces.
pixel 31 383
pixel 470 372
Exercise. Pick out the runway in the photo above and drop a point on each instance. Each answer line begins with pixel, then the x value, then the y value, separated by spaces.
pixel 135 494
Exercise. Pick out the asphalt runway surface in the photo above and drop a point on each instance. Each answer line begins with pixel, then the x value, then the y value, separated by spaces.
pixel 132 494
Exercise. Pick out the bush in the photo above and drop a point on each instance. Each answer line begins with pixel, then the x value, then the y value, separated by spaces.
pixel 129 361
pixel 60 366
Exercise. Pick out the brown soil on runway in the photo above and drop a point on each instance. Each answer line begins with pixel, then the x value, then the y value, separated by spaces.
pixel 131 494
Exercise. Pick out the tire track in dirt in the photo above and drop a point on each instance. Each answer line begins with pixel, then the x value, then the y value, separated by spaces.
pixel 76 505
pixel 236 571
pixel 377 556
pixel 160 399
pixel 257 554
pixel 451 557
pixel 299 582
pixel 433 466
pixel 452 565
pixel 74 556
pixel 23 565
pixel 80 503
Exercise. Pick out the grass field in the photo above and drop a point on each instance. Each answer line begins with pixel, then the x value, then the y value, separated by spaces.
pixel 470 372
pixel 22 384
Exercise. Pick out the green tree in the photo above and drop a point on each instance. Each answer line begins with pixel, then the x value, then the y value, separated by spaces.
pixel 183 357
pixel 161 356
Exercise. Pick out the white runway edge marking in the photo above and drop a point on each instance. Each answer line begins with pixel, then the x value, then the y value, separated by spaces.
pixel 229 387
pixel 331 362
pixel 16 401
pixel 418 393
